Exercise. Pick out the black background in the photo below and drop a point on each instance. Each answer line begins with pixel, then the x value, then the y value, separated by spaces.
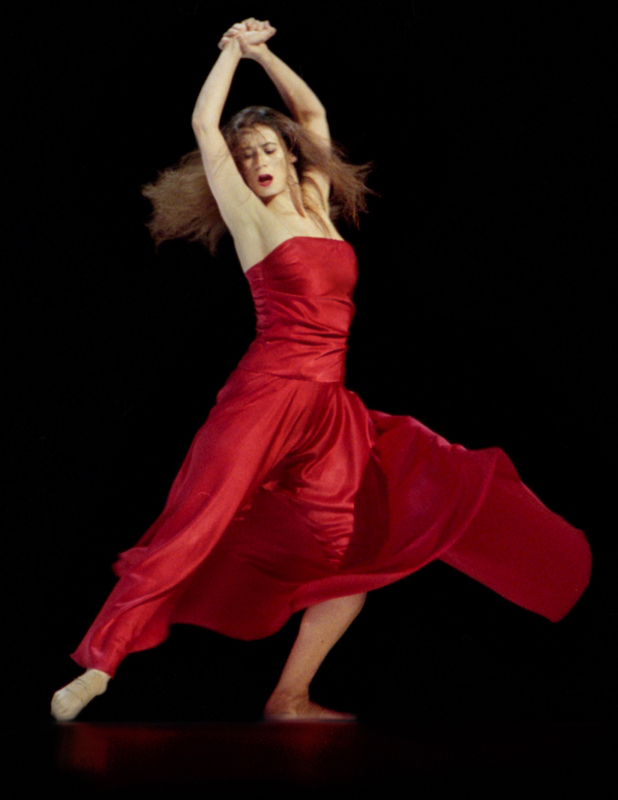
pixel 485 309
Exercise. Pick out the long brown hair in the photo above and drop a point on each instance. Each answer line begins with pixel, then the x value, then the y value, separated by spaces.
pixel 184 207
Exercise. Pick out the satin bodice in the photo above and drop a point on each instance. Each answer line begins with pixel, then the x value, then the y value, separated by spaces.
pixel 302 293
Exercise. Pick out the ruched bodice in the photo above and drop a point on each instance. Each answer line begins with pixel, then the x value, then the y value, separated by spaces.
pixel 302 292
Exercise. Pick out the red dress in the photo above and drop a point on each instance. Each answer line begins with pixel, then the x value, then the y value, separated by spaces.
pixel 293 492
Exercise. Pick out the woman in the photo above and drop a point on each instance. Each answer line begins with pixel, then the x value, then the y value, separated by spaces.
pixel 293 495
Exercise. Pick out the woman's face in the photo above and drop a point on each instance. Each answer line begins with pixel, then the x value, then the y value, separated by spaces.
pixel 265 162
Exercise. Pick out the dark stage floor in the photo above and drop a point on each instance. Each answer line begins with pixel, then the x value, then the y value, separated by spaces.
pixel 313 759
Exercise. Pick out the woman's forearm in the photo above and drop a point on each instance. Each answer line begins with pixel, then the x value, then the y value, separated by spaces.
pixel 211 99
pixel 301 101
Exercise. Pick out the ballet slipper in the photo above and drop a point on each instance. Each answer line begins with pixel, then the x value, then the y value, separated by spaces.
pixel 71 699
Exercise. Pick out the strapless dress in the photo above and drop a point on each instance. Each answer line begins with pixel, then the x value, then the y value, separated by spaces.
pixel 293 492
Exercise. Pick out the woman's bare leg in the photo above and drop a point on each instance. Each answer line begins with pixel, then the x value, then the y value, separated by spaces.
pixel 321 627
pixel 69 701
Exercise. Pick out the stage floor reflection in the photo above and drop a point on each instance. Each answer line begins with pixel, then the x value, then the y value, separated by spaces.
pixel 313 759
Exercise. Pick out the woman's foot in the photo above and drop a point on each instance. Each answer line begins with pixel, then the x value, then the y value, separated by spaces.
pixel 288 707
pixel 69 701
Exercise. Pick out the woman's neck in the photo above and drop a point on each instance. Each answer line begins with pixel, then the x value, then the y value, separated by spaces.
pixel 287 204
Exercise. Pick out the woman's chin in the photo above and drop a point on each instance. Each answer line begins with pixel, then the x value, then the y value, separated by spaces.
pixel 266 194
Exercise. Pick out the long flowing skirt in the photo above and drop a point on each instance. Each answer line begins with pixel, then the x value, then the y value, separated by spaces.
pixel 293 493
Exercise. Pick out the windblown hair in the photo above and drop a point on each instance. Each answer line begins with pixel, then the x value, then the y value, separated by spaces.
pixel 183 204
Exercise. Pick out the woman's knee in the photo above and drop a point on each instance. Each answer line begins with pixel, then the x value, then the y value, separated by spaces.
pixel 345 607
pixel 357 601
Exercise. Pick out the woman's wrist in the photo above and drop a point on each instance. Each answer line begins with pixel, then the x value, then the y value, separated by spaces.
pixel 260 54
pixel 233 49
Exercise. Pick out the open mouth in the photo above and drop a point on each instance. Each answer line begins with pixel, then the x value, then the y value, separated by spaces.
pixel 265 180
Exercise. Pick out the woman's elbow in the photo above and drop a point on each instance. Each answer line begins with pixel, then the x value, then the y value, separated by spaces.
pixel 202 126
pixel 197 122
pixel 316 112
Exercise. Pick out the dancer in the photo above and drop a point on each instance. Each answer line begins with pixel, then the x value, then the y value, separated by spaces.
pixel 293 495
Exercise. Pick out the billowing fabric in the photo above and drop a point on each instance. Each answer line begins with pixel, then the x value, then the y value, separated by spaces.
pixel 293 492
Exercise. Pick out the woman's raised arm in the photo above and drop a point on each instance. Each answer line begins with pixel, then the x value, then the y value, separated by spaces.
pixel 301 101
pixel 237 204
